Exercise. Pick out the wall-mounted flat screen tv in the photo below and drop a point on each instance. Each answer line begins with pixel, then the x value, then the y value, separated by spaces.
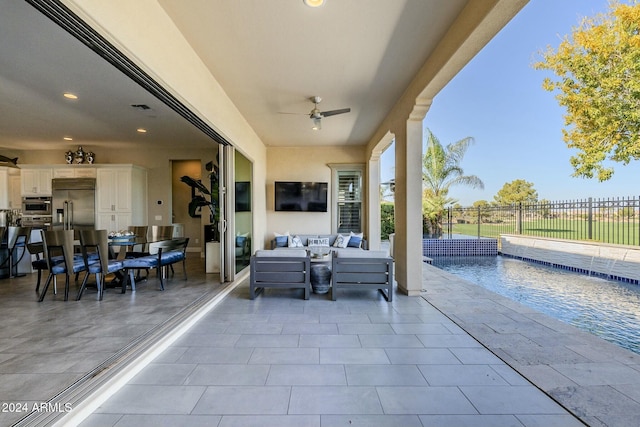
pixel 301 196
pixel 243 196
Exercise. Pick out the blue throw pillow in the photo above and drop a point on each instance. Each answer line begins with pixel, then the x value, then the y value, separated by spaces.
pixel 240 241
pixel 282 241
pixel 354 242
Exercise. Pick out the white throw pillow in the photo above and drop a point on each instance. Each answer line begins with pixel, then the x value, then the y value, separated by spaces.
pixel 323 241
pixel 341 241
pixel 296 242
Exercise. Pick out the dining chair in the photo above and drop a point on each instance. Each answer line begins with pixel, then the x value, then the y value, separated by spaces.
pixel 36 249
pixel 139 247
pixel 58 245
pixel 3 244
pixel 95 254
pixel 140 243
pixel 161 232
pixel 17 238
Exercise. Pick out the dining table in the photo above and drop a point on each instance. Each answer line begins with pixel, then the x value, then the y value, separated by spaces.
pixel 124 244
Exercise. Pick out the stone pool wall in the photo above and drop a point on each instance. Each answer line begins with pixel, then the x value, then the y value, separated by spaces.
pixel 617 262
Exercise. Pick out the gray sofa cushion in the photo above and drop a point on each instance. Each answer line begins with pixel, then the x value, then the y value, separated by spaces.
pixel 350 253
pixel 290 252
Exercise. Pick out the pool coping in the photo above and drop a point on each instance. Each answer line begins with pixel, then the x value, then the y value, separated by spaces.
pixel 597 381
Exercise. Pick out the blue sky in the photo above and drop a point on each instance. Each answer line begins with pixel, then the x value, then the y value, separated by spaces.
pixel 498 100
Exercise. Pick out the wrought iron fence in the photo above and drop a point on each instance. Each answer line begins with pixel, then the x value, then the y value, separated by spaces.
pixel 615 220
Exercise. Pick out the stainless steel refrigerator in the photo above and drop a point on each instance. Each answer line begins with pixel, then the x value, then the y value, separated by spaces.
pixel 74 201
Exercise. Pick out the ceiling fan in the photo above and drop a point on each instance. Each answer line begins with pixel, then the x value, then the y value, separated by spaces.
pixel 316 115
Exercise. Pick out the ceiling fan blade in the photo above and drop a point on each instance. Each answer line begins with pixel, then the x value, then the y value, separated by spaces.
pixel 334 112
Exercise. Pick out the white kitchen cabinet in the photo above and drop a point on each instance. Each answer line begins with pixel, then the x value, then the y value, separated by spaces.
pixel 113 222
pixel 79 171
pixel 114 193
pixel 15 190
pixel 36 182
pixel 121 197
pixel 4 188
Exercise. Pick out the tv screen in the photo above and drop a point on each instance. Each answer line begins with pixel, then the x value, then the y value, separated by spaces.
pixel 243 196
pixel 301 196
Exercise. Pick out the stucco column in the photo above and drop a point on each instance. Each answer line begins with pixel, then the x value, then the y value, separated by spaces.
pixel 408 203
pixel 373 200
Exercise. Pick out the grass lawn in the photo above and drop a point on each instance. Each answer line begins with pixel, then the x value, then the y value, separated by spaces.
pixel 614 232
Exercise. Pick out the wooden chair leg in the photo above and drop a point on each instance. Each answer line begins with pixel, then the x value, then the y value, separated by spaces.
pixel 82 287
pixel 46 286
pixel 100 285
pixel 38 282
pixel 66 287
pixel 162 272
pixel 125 280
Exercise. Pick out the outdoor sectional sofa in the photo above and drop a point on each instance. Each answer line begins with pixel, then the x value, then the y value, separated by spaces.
pixel 288 269
pixel 285 241
pixel 362 270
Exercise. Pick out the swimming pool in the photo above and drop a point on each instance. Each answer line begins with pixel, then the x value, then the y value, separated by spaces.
pixel 603 307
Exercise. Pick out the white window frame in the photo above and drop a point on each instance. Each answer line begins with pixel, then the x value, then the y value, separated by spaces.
pixel 336 169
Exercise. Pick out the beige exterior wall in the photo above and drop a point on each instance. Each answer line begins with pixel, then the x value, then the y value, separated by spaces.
pixel 303 164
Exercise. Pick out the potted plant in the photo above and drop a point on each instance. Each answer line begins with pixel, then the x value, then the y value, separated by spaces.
pixel 203 197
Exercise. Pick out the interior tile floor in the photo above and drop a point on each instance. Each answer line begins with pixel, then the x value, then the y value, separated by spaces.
pixel 47 347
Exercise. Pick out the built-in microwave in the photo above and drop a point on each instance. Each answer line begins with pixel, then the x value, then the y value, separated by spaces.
pixel 36 206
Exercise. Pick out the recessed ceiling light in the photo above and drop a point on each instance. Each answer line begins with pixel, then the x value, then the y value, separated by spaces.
pixel 313 3
pixel 70 95
pixel 68 138
pixel 142 130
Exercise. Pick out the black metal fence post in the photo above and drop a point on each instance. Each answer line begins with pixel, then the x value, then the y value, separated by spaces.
pixel 590 219
pixel 519 218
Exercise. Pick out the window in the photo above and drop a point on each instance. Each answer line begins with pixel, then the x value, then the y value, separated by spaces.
pixel 347 200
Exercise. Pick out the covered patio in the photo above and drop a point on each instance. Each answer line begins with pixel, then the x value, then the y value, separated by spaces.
pixel 204 354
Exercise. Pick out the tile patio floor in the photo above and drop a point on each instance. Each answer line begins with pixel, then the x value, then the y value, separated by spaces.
pixel 280 360
pixel 359 361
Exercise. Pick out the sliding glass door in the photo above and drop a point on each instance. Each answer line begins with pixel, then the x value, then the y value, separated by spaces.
pixel 243 217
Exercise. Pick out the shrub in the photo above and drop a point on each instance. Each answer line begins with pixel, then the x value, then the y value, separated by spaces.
pixel 387 221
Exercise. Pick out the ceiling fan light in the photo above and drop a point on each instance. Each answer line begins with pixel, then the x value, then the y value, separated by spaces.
pixel 313 3
pixel 317 123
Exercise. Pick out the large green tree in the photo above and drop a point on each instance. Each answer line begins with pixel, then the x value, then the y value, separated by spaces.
pixel 441 170
pixel 598 82
pixel 517 191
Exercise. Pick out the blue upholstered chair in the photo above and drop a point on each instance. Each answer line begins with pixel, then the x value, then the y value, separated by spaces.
pixel 58 244
pixel 95 255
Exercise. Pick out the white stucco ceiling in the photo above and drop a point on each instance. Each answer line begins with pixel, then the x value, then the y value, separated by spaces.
pixel 271 56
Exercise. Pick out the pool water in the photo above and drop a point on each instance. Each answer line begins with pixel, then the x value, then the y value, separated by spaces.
pixel 603 307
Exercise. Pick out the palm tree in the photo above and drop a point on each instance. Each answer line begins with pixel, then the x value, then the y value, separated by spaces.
pixel 441 170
